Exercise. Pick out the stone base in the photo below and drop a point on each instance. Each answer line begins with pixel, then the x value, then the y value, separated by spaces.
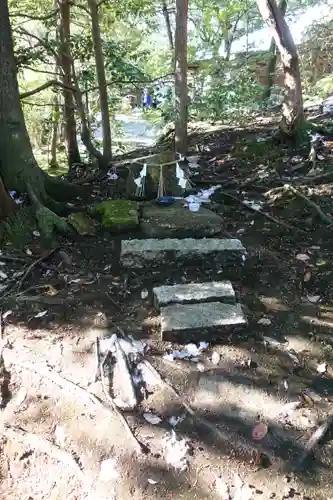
pixel 118 215
pixel 194 322
pixel 155 253
pixel 193 293
pixel 178 221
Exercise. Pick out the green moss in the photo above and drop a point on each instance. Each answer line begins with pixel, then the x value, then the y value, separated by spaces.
pixel 82 223
pixel 117 214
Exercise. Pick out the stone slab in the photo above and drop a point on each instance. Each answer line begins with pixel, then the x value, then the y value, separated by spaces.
pixel 177 221
pixel 154 252
pixel 117 215
pixel 185 322
pixel 213 291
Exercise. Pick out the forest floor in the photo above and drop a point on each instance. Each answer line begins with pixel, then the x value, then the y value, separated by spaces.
pixel 60 443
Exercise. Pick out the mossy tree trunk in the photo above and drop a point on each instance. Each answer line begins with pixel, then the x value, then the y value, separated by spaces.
pixel 18 167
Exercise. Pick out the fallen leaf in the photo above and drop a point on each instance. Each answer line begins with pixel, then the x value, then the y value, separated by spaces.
pixel 322 368
pixel 222 489
pixel 307 276
pixel 28 251
pixel 151 418
pixel 259 431
pixel 215 358
pixel 313 298
pixel 40 314
pixel 3 275
pixel 264 321
pixel 36 233
pixel 302 257
pixel 51 291
pixel 152 481
pixel 6 314
pixel 144 294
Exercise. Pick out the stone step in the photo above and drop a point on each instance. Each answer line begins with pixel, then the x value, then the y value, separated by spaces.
pixel 193 322
pixel 213 291
pixel 153 252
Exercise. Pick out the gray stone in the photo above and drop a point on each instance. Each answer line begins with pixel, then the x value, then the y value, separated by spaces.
pixel 178 221
pixel 185 322
pixel 141 253
pixel 221 291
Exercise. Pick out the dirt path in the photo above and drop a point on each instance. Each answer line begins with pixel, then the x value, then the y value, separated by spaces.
pixel 59 442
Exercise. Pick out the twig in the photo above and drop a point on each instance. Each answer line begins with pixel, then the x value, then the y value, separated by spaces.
pixel 98 361
pixel 35 263
pixel 10 258
pixel 314 440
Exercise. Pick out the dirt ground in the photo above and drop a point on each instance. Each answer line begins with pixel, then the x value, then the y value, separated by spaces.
pixel 59 442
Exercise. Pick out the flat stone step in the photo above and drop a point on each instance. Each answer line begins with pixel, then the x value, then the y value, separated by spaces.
pixel 213 291
pixel 185 322
pixel 154 252
pixel 177 221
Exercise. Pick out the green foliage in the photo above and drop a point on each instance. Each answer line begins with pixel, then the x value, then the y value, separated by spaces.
pixel 229 94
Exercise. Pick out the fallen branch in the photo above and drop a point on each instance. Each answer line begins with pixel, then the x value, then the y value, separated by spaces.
pixel 264 214
pixel 34 264
pixel 325 218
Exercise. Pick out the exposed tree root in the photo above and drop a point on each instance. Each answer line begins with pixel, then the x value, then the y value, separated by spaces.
pixel 288 189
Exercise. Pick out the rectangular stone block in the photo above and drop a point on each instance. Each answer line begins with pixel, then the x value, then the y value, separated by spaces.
pixel 194 322
pixel 153 252
pixel 177 221
pixel 213 291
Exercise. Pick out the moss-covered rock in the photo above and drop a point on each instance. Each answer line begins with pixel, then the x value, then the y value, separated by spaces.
pixel 82 223
pixel 118 215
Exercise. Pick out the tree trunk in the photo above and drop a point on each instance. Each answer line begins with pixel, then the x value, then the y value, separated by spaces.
pixel 55 129
pixel 18 167
pixel 181 77
pixel 167 23
pixel 65 64
pixel 7 205
pixel 271 65
pixel 100 73
pixel 293 115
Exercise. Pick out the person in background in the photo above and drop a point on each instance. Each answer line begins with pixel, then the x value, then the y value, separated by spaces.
pixel 146 99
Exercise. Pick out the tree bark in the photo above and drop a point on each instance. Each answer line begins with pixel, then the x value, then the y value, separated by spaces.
pixel 101 79
pixel 55 129
pixel 7 205
pixel 18 167
pixel 292 115
pixel 181 92
pixel 167 23
pixel 65 64
pixel 272 61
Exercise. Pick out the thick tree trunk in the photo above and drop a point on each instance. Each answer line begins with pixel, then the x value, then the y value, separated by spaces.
pixel 100 73
pixel 66 65
pixel 7 205
pixel 18 167
pixel 293 115
pixel 181 92
pixel 272 61
pixel 167 24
